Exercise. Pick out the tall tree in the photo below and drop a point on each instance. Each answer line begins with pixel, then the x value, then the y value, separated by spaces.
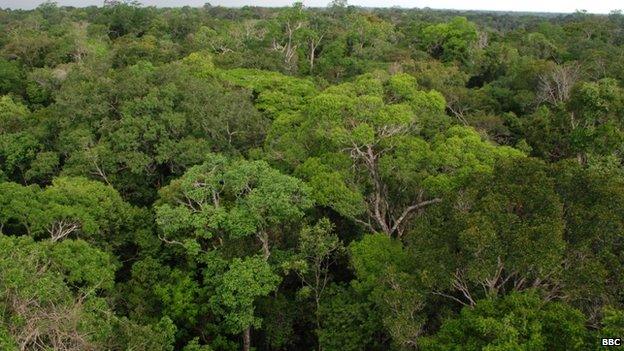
pixel 225 199
pixel 372 138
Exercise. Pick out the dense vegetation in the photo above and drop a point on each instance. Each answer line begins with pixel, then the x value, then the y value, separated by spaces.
pixel 310 179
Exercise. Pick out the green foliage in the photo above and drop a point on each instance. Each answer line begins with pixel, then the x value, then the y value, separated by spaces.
pixel 195 346
pixel 6 340
pixel 276 93
pixel 70 207
pixel 385 274
pixel 348 322
pixel 64 281
pixel 239 287
pixel 318 249
pixel 520 321
pixel 11 77
pixel 505 227
pixel 593 233
pixel 450 41
pixel 228 199
pixel 598 106
pixel 329 188
pixel 296 178
pixel 154 119
pixel 131 336
pixel 612 322
pixel 374 256
pixel 200 64
pixel 13 115
pixel 19 208
pixel 83 265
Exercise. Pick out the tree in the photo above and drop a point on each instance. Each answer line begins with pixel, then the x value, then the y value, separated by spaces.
pixel 316 31
pixel 276 94
pixel 70 207
pixel 516 322
pixel 27 44
pixel 287 29
pixel 318 249
pixel 340 178
pixel 556 86
pixel 20 212
pixel 44 311
pixel 88 209
pixel 224 199
pixel 448 80
pixel 586 125
pixel 125 17
pixel 349 322
pixel 366 32
pixel 13 115
pixel 505 236
pixel 374 136
pixel 612 322
pixel 53 297
pixel 140 127
pixel 450 41
pixel 239 287
pixel 594 124
pixel 593 236
pixel 11 77
pixel 18 146
pixel 219 202
pixel 387 277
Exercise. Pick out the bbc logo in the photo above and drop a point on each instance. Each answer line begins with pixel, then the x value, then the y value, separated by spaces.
pixel 611 342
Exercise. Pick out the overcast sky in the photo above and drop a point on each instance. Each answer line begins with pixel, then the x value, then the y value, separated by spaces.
pixel 595 6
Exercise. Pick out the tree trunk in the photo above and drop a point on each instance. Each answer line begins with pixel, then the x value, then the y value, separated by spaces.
pixel 317 299
pixel 247 339
pixel 264 240
pixel 312 48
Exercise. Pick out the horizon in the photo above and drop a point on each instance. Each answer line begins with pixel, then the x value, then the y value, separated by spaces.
pixel 531 6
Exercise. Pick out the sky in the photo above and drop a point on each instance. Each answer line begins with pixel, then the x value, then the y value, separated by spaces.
pixel 593 6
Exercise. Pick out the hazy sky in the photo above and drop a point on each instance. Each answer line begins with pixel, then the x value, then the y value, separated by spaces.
pixel 595 6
